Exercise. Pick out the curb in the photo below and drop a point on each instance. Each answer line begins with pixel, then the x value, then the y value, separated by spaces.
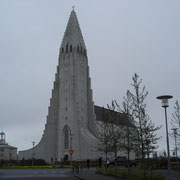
pixel 78 176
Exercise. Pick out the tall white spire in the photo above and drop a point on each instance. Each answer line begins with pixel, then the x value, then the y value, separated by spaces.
pixel 71 109
pixel 73 35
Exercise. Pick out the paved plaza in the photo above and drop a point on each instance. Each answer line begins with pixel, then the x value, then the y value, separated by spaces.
pixel 63 174
pixel 35 173
pixel 91 175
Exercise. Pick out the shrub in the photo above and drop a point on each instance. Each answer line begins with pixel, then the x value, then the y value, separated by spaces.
pixel 135 174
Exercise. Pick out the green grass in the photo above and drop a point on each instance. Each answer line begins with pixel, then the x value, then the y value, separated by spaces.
pixel 133 174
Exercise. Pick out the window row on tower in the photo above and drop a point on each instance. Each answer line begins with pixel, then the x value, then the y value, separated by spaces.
pixel 79 49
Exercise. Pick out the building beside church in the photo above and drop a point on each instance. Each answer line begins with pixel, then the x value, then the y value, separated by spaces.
pixel 7 152
pixel 116 132
pixel 71 120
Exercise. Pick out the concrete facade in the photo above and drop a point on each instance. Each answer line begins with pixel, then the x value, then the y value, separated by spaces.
pixel 7 152
pixel 71 119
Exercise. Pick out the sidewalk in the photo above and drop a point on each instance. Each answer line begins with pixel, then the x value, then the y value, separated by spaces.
pixel 91 175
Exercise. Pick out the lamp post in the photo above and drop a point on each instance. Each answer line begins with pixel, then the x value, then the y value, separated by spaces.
pixel 165 104
pixel 71 146
pixel 33 143
pixel 175 133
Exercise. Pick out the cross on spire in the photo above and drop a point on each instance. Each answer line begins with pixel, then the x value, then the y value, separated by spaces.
pixel 73 35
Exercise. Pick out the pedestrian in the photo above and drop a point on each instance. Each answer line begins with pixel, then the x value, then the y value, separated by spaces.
pixel 88 163
pixel 107 163
pixel 81 165
pixel 77 168
pixel 100 162
pixel 73 167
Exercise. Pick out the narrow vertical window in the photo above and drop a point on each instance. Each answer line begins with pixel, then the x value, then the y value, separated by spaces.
pixel 66 138
pixel 71 48
pixel 84 52
pixel 67 48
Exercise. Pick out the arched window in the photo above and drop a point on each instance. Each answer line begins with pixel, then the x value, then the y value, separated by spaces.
pixel 67 48
pixel 66 138
pixel 71 48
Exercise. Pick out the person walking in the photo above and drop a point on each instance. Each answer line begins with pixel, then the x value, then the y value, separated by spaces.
pixel 107 163
pixel 81 165
pixel 77 168
pixel 100 162
pixel 88 163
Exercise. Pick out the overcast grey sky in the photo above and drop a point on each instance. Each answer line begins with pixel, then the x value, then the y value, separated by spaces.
pixel 122 37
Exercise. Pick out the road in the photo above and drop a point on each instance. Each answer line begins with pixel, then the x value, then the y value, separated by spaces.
pixel 36 174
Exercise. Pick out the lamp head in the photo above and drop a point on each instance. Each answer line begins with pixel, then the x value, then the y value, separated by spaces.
pixel 164 100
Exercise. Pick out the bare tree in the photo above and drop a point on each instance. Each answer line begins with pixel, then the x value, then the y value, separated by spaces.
pixel 138 108
pixel 145 128
pixel 176 115
pixel 175 122
pixel 150 136
pixel 104 136
pixel 110 131
pixel 116 131
pixel 129 129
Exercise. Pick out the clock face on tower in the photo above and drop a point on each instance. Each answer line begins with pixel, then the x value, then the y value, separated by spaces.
pixel 66 62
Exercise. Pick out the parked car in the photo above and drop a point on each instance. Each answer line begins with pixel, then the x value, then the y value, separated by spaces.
pixel 122 161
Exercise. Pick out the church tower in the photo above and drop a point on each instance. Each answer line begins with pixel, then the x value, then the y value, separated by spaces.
pixel 71 119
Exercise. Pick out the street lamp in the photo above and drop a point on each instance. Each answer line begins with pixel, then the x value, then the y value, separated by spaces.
pixel 71 146
pixel 33 143
pixel 165 104
pixel 175 133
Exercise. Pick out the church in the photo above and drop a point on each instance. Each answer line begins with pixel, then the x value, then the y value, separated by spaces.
pixel 72 115
pixel 7 152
